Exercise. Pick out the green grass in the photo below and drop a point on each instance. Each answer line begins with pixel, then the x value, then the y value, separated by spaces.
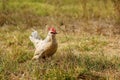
pixel 36 13
pixel 68 8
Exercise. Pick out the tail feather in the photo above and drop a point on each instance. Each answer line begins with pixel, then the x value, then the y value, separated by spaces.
pixel 34 37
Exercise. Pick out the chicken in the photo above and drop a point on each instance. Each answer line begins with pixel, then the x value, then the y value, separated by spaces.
pixel 44 48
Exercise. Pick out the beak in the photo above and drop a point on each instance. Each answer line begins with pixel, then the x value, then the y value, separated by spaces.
pixel 54 32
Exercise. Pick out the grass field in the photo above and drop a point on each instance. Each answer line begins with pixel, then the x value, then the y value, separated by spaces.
pixel 30 12
pixel 88 49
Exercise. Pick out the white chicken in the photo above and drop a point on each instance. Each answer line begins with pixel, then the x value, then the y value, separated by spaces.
pixel 44 48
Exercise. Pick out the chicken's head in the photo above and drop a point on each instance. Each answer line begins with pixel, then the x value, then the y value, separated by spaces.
pixel 52 30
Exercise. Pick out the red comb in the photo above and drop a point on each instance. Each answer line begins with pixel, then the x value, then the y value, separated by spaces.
pixel 52 29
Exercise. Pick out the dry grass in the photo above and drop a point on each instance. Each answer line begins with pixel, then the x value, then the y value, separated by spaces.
pixel 80 55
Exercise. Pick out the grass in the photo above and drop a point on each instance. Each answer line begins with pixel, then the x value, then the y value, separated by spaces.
pixel 38 13
pixel 77 57
pixel 33 10
pixel 88 49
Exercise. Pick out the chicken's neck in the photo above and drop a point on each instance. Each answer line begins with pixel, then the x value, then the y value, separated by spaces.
pixel 50 38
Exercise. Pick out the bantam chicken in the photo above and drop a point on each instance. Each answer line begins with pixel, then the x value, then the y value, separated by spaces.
pixel 44 48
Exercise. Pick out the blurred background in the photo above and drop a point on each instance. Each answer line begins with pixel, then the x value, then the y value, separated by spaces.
pixel 60 12
pixel 31 12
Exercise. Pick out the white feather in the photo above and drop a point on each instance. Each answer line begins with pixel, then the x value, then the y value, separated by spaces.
pixel 34 37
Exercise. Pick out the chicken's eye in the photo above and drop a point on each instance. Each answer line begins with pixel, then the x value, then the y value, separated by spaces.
pixel 52 33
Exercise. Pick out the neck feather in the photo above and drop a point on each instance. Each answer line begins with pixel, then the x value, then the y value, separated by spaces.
pixel 51 38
